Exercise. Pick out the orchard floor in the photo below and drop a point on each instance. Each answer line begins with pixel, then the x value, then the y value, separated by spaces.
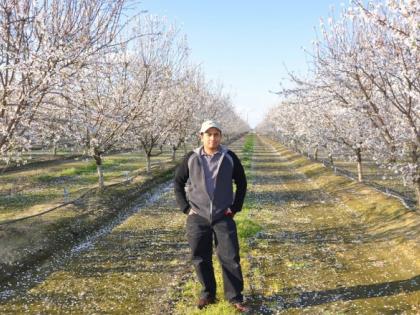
pixel 322 250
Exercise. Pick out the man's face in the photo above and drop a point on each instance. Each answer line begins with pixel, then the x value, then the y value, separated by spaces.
pixel 211 139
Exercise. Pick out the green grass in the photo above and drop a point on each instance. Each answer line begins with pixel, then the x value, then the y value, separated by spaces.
pixel 247 152
pixel 339 233
pixel 25 242
pixel 43 186
pixel 71 171
pixel 372 173
pixel 23 201
pixel 373 204
pixel 247 228
pixel 113 163
pixel 90 168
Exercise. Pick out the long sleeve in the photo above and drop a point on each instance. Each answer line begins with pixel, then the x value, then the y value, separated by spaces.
pixel 181 178
pixel 240 182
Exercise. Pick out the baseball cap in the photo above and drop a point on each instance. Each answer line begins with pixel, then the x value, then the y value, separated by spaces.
pixel 209 124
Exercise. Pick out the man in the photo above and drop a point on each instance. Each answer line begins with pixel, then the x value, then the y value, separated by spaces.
pixel 203 189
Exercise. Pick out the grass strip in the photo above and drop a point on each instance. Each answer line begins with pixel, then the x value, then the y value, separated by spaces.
pixel 30 242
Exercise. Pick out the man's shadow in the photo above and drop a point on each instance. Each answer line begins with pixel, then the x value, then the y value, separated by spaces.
pixel 290 298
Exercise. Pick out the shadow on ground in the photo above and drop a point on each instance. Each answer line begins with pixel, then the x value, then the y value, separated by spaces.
pixel 291 298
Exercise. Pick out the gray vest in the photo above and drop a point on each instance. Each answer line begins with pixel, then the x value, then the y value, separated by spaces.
pixel 198 197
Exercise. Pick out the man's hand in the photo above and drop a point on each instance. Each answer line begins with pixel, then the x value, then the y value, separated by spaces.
pixel 192 211
pixel 229 213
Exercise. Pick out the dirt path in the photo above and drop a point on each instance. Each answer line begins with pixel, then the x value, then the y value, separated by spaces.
pixel 317 255
pixel 126 271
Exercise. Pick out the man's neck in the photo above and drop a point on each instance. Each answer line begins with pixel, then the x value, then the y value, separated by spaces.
pixel 209 151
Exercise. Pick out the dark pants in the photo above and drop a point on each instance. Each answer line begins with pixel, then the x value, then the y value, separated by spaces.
pixel 200 238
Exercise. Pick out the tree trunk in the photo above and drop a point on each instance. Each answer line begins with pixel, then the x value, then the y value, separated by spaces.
pixel 316 153
pixel 3 169
pixel 173 154
pixel 55 150
pixel 185 148
pixel 359 165
pixel 416 175
pixel 148 163
pixel 330 156
pixel 393 155
pixel 417 189
pixel 98 160
pixel 86 152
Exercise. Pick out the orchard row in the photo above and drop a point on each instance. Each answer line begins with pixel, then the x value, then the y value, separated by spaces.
pixel 362 91
pixel 81 74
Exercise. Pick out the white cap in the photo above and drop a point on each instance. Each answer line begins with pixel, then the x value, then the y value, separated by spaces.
pixel 209 124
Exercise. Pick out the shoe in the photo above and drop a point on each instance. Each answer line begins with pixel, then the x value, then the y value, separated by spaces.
pixel 240 307
pixel 203 302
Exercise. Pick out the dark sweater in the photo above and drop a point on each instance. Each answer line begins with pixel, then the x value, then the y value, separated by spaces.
pixel 190 186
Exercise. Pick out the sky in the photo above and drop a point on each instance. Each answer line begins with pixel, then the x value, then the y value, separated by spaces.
pixel 247 45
